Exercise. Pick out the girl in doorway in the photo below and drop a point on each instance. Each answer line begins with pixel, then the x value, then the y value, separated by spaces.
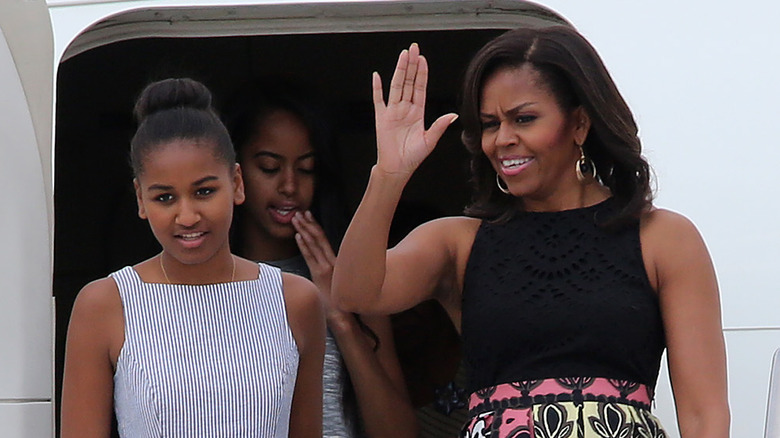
pixel 289 174
pixel 194 341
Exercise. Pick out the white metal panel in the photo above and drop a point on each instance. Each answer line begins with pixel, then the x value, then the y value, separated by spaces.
pixel 772 428
pixel 26 420
pixel 89 25
pixel 25 272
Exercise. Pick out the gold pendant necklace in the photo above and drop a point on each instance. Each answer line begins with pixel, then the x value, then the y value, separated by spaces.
pixel 168 280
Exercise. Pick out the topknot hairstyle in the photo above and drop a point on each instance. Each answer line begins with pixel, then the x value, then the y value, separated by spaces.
pixel 177 109
pixel 576 76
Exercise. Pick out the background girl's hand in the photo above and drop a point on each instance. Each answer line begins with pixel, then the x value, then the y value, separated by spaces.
pixel 320 258
pixel 316 250
pixel 402 141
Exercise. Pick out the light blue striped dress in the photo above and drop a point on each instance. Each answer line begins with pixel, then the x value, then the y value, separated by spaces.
pixel 205 360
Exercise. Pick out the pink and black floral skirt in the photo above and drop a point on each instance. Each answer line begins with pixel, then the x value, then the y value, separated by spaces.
pixel 578 407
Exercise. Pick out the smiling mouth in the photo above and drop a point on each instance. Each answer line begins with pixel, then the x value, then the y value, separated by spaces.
pixel 191 236
pixel 514 162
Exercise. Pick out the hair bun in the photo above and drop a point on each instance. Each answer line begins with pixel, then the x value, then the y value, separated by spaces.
pixel 172 93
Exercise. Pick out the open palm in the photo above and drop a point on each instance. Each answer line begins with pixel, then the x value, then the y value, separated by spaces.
pixel 402 141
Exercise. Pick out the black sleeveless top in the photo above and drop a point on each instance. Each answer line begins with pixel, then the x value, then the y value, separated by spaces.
pixel 553 294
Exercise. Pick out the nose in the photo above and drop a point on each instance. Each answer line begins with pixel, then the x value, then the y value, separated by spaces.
pixel 289 184
pixel 505 135
pixel 188 214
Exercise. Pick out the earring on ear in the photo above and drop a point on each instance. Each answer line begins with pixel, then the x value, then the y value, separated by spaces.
pixel 584 167
pixel 500 187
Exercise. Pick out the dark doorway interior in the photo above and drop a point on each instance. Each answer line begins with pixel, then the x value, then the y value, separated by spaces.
pixel 97 230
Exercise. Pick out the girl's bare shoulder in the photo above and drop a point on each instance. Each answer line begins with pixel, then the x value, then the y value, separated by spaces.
pixel 98 300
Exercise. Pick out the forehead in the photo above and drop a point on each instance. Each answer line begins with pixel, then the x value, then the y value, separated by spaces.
pixel 182 161
pixel 282 133
pixel 514 86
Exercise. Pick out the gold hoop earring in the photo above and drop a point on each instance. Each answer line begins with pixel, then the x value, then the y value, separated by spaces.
pixel 584 167
pixel 503 189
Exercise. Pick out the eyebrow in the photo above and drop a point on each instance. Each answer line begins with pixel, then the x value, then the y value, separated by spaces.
pixel 199 182
pixel 514 110
pixel 280 157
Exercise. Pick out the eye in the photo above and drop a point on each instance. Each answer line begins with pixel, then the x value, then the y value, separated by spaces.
pixel 164 198
pixel 205 191
pixel 269 170
pixel 525 119
pixel 489 124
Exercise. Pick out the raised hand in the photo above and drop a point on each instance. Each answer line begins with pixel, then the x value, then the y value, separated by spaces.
pixel 402 141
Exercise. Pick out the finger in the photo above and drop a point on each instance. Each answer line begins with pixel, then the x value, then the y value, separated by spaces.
pixel 312 240
pixel 311 261
pixel 317 231
pixel 421 84
pixel 305 251
pixel 308 226
pixel 434 133
pixel 411 72
pixel 397 83
pixel 376 85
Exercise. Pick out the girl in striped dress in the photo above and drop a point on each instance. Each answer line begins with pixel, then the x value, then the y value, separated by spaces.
pixel 194 342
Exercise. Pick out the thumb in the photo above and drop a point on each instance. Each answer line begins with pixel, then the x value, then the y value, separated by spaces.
pixel 434 133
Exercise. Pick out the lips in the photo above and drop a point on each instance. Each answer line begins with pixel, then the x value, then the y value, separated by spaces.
pixel 191 239
pixel 283 214
pixel 511 166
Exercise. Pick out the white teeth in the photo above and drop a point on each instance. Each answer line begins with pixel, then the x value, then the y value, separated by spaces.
pixel 284 212
pixel 514 162
pixel 191 236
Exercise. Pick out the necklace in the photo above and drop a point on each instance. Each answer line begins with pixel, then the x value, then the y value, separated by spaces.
pixel 168 280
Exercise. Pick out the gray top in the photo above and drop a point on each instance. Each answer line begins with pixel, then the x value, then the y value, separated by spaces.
pixel 336 422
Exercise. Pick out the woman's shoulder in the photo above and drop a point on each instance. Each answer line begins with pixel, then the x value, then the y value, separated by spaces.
pixel 660 223
pixel 670 241
pixel 449 229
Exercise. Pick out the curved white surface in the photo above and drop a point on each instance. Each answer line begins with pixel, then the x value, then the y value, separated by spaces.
pixel 772 428
pixel 81 25
pixel 25 272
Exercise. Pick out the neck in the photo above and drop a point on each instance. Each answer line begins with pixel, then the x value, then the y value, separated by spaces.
pixel 584 195
pixel 221 268
pixel 259 246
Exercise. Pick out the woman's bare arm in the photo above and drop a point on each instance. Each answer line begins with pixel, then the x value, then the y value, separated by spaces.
pixel 402 144
pixel 682 272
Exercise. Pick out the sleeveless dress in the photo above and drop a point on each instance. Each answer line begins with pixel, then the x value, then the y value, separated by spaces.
pixel 562 330
pixel 204 360
pixel 339 409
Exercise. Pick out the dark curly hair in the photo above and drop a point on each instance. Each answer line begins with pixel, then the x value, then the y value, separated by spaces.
pixel 576 76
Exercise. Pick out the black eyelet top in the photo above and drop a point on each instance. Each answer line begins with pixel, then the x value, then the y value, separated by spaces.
pixel 554 294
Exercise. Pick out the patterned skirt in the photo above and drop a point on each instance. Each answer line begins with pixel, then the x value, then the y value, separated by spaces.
pixel 579 407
